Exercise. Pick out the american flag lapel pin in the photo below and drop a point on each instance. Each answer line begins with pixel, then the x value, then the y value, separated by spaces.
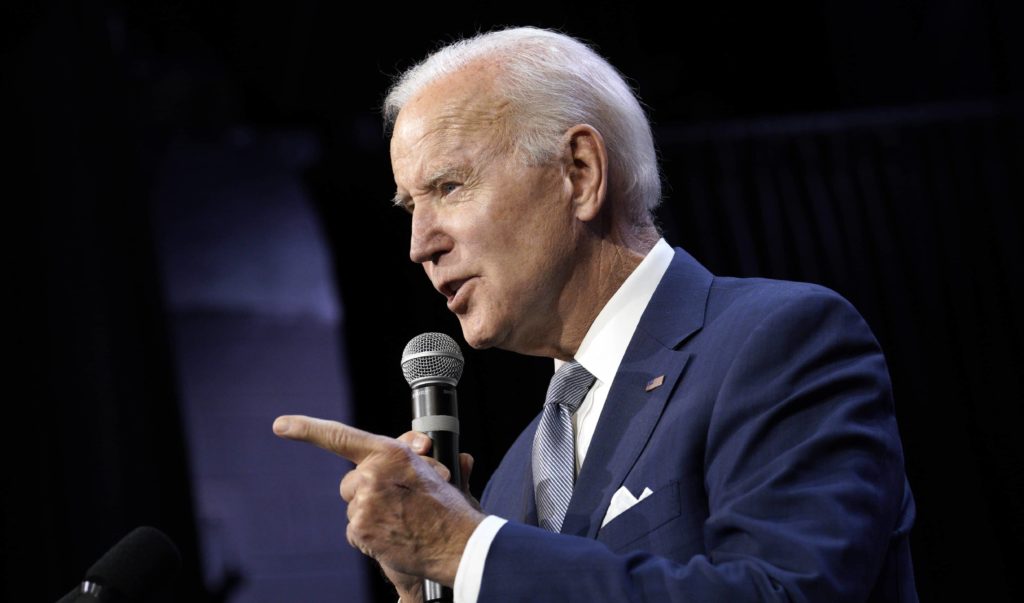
pixel 654 383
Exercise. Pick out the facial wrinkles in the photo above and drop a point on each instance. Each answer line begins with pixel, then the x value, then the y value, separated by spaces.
pixel 457 164
pixel 474 112
pixel 435 158
pixel 459 108
pixel 437 153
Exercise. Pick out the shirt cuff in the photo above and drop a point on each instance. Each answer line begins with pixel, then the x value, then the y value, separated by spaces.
pixel 470 574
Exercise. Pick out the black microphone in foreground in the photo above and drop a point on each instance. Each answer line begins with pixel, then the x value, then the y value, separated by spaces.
pixel 432 364
pixel 140 563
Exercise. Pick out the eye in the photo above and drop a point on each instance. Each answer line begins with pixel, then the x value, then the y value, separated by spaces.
pixel 447 188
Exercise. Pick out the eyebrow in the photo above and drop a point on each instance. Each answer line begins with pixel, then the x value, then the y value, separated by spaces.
pixel 438 176
pixel 399 200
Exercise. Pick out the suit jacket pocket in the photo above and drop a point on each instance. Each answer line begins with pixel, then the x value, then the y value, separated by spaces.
pixel 661 507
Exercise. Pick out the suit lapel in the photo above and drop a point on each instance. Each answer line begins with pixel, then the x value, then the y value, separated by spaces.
pixel 648 374
pixel 626 423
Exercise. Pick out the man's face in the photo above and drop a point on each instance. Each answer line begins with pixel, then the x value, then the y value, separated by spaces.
pixel 496 237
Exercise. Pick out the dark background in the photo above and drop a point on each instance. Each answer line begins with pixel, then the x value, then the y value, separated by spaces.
pixel 874 147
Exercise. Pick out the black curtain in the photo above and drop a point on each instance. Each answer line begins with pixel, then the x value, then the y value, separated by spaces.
pixel 93 447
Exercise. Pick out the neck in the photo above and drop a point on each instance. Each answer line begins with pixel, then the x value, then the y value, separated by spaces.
pixel 604 265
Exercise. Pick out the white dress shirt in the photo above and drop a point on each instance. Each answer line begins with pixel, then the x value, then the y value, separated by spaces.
pixel 600 353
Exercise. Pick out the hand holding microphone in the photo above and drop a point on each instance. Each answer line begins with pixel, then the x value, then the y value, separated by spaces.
pixel 401 509
pixel 432 365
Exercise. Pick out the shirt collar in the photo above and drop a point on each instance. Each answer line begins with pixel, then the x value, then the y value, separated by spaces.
pixel 606 341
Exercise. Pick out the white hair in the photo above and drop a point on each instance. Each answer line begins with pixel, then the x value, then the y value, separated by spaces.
pixel 554 82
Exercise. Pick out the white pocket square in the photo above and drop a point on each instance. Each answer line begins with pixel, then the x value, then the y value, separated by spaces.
pixel 622 499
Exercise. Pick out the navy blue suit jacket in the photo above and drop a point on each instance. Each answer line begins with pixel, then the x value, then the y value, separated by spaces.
pixel 771 449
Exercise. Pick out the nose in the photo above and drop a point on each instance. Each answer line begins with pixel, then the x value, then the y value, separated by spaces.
pixel 429 241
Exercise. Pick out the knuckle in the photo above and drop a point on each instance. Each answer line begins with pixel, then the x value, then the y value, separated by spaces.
pixel 337 440
pixel 350 535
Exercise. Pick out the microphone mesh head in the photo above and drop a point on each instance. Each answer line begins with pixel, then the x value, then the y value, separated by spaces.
pixel 432 357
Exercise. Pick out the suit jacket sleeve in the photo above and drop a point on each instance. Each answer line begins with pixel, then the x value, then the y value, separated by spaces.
pixel 803 476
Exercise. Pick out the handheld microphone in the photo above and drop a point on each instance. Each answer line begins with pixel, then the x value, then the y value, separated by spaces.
pixel 432 365
pixel 139 563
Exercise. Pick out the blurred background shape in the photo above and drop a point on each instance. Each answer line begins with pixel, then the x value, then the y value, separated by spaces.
pixel 255 327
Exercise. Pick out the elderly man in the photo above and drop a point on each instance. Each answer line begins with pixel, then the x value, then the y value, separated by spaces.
pixel 703 439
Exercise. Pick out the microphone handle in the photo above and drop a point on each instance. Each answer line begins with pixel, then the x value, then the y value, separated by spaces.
pixel 435 412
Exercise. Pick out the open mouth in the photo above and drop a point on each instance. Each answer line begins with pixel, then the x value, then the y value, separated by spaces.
pixel 451 288
pixel 456 292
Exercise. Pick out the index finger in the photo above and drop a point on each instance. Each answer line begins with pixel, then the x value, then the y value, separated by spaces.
pixel 343 440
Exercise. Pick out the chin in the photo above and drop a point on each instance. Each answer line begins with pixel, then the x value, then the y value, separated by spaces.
pixel 479 337
pixel 476 341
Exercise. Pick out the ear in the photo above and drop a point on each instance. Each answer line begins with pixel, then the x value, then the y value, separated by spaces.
pixel 588 170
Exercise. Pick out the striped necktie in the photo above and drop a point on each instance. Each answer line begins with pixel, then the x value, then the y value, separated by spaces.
pixel 554 449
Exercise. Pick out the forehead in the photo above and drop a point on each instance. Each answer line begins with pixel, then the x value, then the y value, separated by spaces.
pixel 453 119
